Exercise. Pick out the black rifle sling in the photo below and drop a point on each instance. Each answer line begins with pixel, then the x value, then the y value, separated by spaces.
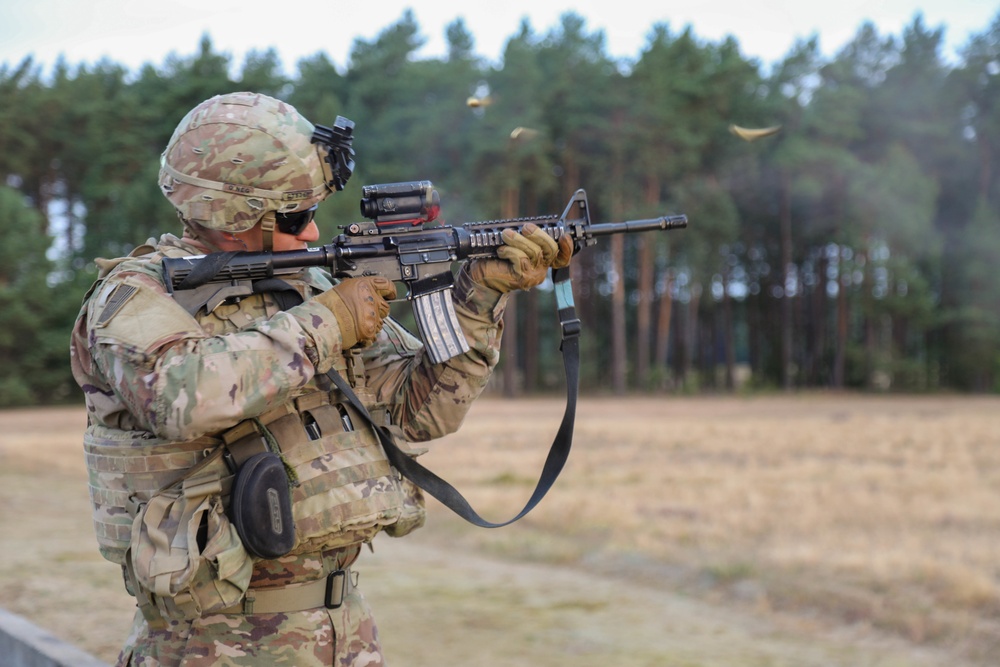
pixel 443 491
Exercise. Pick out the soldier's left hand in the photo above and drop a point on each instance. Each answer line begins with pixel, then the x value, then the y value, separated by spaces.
pixel 523 261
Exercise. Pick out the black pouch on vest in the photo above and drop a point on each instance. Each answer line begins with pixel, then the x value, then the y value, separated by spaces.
pixel 260 506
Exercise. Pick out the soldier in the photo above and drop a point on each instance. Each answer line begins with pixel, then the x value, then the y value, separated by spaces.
pixel 193 417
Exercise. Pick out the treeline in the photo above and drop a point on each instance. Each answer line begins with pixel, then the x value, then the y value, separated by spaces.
pixel 854 247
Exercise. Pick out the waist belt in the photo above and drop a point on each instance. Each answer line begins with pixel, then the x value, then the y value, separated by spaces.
pixel 328 592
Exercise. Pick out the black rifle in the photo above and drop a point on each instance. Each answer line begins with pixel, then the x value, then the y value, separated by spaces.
pixel 396 242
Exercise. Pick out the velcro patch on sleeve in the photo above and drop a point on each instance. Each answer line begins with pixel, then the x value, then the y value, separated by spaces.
pixel 142 317
pixel 119 297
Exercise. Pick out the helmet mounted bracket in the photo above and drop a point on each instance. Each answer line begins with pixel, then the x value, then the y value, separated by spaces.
pixel 339 158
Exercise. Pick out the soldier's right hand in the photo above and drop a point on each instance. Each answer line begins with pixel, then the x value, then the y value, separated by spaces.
pixel 360 306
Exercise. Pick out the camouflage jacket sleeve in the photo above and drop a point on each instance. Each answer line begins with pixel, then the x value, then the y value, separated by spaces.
pixel 431 400
pixel 135 346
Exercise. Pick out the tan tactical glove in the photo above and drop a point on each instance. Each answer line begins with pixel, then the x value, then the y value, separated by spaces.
pixel 523 261
pixel 360 305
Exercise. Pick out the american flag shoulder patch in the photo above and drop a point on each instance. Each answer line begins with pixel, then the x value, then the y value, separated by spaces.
pixel 118 298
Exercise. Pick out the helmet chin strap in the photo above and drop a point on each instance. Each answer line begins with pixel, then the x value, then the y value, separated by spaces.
pixel 267 231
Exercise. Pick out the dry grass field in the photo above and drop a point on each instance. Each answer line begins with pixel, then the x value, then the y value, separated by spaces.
pixel 806 530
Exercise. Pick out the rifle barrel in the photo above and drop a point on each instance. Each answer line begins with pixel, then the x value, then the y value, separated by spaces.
pixel 664 222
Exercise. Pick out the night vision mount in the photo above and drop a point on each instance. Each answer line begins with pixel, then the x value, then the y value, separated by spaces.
pixel 340 154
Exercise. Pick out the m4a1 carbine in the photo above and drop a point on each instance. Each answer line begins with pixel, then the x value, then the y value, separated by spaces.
pixel 398 242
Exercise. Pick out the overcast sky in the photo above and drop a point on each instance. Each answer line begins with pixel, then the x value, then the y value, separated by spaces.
pixel 134 32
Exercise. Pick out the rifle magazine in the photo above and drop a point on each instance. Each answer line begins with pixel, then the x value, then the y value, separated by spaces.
pixel 439 327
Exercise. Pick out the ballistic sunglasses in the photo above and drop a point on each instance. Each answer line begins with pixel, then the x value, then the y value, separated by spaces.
pixel 294 223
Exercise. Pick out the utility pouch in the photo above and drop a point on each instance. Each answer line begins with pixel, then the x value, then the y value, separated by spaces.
pixel 413 512
pixel 260 506
pixel 185 556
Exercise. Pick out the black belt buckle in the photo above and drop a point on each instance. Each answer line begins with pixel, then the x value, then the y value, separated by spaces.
pixel 336 589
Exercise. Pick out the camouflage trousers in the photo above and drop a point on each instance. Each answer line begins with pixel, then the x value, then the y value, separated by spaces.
pixel 343 637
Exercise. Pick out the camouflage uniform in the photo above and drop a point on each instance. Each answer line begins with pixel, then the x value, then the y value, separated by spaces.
pixel 154 376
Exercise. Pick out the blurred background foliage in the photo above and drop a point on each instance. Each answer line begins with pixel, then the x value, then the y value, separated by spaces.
pixel 853 248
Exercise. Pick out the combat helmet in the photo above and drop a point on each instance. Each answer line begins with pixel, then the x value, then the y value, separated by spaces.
pixel 241 158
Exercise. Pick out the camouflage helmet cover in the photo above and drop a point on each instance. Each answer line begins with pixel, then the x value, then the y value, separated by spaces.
pixel 235 157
